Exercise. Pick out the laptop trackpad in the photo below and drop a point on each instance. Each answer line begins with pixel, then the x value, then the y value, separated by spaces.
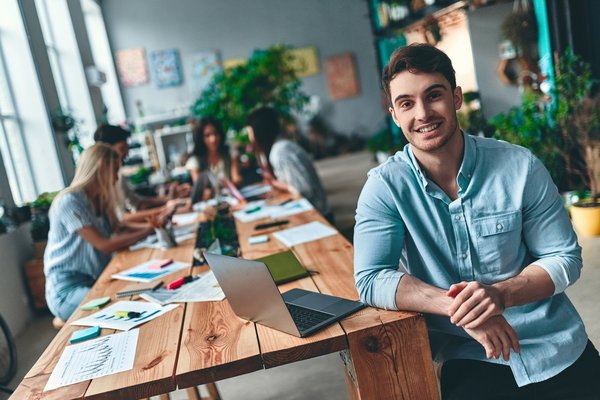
pixel 315 301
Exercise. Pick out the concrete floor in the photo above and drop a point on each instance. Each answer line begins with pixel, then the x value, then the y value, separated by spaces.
pixel 321 378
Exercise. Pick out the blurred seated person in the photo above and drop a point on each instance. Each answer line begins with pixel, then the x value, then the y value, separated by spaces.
pixel 85 230
pixel 211 160
pixel 285 165
pixel 116 137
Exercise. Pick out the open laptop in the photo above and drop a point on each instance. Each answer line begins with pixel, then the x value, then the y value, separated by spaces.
pixel 253 295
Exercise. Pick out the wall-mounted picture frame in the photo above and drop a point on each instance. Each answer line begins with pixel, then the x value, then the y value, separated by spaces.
pixel 132 67
pixel 306 61
pixel 342 81
pixel 166 68
pixel 203 66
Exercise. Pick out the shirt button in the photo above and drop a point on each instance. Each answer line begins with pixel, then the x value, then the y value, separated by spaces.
pixel 499 227
pixel 457 217
pixel 464 255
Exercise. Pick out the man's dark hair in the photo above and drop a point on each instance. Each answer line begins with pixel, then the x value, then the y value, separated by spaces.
pixel 111 134
pixel 417 57
pixel 265 123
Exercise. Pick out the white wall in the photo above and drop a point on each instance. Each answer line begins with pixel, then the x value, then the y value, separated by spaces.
pixel 235 28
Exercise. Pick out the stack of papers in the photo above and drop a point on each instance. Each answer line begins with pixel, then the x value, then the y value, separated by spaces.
pixel 304 233
pixel 145 272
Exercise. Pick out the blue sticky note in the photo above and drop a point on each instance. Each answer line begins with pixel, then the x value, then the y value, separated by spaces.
pixel 85 334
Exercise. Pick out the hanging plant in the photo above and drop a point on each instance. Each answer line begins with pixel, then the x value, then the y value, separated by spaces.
pixel 65 123
pixel 520 27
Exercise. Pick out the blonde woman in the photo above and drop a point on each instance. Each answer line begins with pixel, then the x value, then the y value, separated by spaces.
pixel 84 230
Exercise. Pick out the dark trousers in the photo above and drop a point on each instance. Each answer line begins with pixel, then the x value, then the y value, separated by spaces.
pixel 479 380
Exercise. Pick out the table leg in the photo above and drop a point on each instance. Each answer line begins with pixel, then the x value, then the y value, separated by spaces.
pixel 391 361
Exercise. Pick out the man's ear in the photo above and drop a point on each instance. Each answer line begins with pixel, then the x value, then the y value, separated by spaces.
pixel 458 98
pixel 393 114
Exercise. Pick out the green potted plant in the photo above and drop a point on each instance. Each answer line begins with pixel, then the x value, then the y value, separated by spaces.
pixel 65 123
pixel 577 116
pixel 267 78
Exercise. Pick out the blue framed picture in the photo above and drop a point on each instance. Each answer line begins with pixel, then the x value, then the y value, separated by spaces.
pixel 166 68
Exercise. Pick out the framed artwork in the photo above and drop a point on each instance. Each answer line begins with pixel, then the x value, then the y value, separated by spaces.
pixel 166 68
pixel 203 66
pixel 132 67
pixel 340 72
pixel 306 61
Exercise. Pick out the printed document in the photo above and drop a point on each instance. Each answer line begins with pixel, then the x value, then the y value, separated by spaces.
pixel 103 356
pixel 107 317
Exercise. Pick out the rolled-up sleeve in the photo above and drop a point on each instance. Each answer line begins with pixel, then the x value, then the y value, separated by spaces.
pixel 378 244
pixel 547 230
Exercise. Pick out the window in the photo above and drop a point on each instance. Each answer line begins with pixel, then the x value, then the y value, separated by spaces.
pixel 111 94
pixel 65 61
pixel 27 146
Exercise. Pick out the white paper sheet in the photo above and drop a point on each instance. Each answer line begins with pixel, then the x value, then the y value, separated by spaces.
pixel 204 288
pixel 304 233
pixel 257 189
pixel 145 273
pixel 185 218
pixel 291 208
pixel 103 356
pixel 260 209
pixel 106 318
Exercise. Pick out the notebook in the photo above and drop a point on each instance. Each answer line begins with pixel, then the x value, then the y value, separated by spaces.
pixel 253 295
pixel 284 267
pixel 137 288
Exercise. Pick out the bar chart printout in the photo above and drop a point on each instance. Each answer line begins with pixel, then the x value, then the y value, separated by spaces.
pixel 103 356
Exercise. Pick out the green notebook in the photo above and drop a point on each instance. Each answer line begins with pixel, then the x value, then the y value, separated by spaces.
pixel 284 267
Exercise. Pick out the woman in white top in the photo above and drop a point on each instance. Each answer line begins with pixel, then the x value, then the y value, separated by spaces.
pixel 84 230
pixel 211 155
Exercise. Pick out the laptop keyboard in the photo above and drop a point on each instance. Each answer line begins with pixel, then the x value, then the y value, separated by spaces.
pixel 306 318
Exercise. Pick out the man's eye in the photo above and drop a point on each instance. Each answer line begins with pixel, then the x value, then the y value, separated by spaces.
pixel 434 95
pixel 405 104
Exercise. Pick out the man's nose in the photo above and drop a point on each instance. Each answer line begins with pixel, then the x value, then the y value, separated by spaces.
pixel 422 111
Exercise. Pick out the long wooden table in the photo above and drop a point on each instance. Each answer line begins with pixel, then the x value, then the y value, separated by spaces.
pixel 386 353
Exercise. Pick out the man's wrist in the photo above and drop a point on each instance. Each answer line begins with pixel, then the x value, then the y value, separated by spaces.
pixel 504 293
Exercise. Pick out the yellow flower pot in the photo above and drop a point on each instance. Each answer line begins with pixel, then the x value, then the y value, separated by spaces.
pixel 586 218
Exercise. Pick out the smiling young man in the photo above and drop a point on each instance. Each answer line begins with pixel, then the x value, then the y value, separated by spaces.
pixel 485 242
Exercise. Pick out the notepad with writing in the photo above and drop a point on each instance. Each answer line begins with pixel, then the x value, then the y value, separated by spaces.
pixel 284 266
pixel 131 290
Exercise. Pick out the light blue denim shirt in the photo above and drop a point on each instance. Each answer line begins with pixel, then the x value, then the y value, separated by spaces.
pixel 508 214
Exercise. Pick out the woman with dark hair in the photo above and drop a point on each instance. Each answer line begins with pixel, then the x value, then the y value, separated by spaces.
pixel 285 165
pixel 211 154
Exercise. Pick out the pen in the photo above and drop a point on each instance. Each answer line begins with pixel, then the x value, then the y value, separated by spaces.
pixel 127 314
pixel 180 281
pixel 255 209
pixel 283 203
pixel 161 264
pixel 271 224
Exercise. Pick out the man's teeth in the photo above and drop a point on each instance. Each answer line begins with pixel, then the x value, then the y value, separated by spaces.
pixel 428 128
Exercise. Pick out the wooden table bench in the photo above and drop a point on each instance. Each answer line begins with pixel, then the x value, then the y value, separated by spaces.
pixel 386 353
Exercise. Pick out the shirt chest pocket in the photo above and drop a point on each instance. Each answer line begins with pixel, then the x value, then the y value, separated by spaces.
pixel 498 240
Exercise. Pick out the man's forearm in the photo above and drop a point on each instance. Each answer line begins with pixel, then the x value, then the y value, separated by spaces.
pixel 413 294
pixel 532 284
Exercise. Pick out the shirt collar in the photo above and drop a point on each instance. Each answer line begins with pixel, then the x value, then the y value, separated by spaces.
pixel 466 168
pixel 468 164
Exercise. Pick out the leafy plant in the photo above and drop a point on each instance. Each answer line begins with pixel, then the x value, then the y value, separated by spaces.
pixel 577 115
pixel 530 126
pixel 267 78
pixel 64 122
